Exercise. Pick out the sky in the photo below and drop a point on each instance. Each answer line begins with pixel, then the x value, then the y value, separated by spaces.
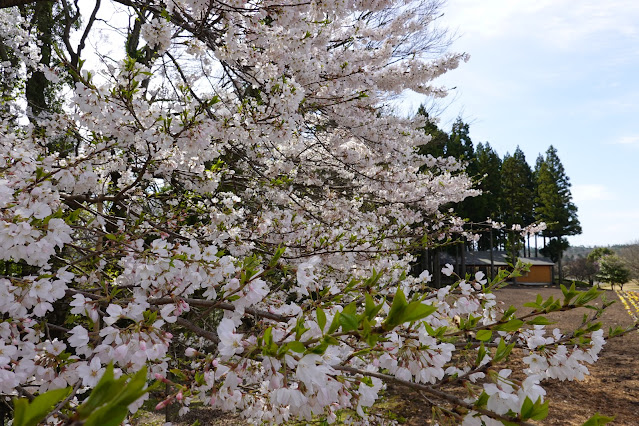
pixel 562 73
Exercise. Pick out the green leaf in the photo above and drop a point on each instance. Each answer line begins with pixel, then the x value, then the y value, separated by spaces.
pixel 527 408
pixel 396 311
pixel 276 257
pixel 133 390
pixel 348 322
pixel 372 339
pixel 511 325
pixel 597 420
pixel 299 328
pixel 540 320
pixel 20 411
pixel 540 410
pixel 484 335
pixel 105 390
pixel 43 404
pixel 320 349
pixel 268 338
pixel 481 353
pixel 416 311
pixel 107 415
pixel 348 318
pixel 503 350
pixel 296 346
pixel 482 400
pixel 321 319
pixel 371 310
pixel 334 324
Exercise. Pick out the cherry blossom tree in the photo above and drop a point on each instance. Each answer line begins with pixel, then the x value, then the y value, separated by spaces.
pixel 230 186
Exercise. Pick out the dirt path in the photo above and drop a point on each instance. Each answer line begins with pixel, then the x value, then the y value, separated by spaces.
pixel 613 385
pixel 611 389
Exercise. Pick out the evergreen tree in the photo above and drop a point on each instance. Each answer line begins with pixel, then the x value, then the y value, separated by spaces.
pixel 459 144
pixel 553 198
pixel 517 190
pixel 488 166
pixel 553 203
pixel 439 138
pixel 516 196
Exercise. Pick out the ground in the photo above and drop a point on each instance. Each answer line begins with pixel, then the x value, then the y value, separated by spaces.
pixel 612 388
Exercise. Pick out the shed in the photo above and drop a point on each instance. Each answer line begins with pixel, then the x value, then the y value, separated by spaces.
pixel 541 268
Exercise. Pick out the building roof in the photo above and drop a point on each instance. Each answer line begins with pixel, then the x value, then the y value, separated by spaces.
pixel 482 258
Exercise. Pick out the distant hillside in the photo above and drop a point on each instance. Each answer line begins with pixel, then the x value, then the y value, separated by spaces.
pixel 579 251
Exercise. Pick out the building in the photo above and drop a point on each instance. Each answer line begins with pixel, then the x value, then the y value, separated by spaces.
pixel 541 268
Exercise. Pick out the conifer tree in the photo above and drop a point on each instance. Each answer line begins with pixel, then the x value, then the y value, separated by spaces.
pixel 553 203
pixel 517 195
pixel 553 198
pixel 517 189
pixel 488 166
pixel 460 145
pixel 439 138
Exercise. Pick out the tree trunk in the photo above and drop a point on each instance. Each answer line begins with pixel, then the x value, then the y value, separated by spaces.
pixel 462 263
pixel 437 273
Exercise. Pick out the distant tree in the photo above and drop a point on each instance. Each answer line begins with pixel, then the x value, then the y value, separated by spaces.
pixel 599 252
pixel 459 143
pixel 439 139
pixel 582 268
pixel 554 248
pixel 553 201
pixel 517 190
pixel 517 194
pixel 488 167
pixel 613 270
pixel 630 255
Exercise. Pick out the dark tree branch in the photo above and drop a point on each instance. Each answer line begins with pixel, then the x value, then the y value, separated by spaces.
pixel 4 4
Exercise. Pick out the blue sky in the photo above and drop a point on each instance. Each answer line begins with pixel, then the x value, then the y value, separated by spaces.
pixel 556 72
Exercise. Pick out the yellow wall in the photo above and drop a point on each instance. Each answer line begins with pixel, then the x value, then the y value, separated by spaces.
pixel 537 274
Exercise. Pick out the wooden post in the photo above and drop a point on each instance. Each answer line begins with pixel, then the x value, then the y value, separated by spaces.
pixel 492 259
pixel 437 273
pixel 463 260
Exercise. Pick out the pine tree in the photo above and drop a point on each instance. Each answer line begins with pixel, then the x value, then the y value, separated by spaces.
pixel 517 190
pixel 460 145
pixel 439 138
pixel 553 198
pixel 517 196
pixel 553 203
pixel 488 166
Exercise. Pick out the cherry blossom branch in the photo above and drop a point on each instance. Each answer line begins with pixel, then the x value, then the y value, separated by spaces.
pixel 427 389
pixel 221 305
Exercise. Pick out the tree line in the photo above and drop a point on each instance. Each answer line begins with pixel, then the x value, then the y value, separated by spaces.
pixel 512 192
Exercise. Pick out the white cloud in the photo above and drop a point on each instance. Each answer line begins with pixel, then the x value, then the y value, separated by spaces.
pixel 591 192
pixel 562 24
pixel 628 140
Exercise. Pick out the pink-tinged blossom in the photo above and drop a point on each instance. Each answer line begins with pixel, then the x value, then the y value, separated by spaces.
pixel 312 371
pixel 306 276
pixel 79 337
pixel 230 342
pixel 90 373
pixel 6 353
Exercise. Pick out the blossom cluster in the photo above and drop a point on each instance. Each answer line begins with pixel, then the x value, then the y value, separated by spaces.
pixel 232 206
